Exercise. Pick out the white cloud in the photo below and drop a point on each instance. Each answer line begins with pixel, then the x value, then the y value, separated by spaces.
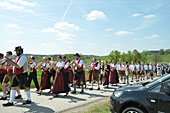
pixel 108 29
pixel 49 30
pixel 136 39
pixel 11 26
pixel 155 36
pixel 162 41
pixel 25 3
pixel 9 6
pixel 96 15
pixel 117 44
pixel 62 26
pixel 66 26
pixel 136 14
pixel 66 36
pixel 64 31
pixel 149 16
pixel 122 33
pixel 17 32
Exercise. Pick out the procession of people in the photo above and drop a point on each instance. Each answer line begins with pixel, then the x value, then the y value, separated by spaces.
pixel 66 74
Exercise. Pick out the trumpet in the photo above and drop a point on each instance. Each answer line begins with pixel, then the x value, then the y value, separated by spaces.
pixel 39 65
pixel 3 61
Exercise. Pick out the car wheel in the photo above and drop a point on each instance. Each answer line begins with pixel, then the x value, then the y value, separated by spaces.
pixel 132 110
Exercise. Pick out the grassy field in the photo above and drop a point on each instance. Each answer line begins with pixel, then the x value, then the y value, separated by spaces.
pixel 105 108
pixel 165 58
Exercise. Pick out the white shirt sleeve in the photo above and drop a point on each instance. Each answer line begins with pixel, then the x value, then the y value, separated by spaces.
pixel 22 61
pixel 98 66
pixel 47 65
pixel 62 64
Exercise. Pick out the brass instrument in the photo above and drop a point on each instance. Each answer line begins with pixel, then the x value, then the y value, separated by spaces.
pixel 31 69
pixel 4 60
pixel 40 66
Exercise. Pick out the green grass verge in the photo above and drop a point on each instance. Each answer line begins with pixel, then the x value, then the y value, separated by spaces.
pixel 105 108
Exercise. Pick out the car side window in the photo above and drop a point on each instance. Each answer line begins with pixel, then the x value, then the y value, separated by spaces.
pixel 156 89
pixel 164 86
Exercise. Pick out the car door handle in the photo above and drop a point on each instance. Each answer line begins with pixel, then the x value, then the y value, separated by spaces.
pixel 153 101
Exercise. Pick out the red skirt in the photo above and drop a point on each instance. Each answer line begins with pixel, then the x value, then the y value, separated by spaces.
pixel 84 80
pixel 89 78
pixel 70 76
pixel 60 84
pixel 45 83
pixel 106 78
pixel 113 78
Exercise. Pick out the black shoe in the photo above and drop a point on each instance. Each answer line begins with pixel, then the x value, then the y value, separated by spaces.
pixel 27 102
pixel 39 93
pixel 81 92
pixel 98 89
pixel 49 91
pixel 8 104
pixel 18 97
pixel 3 98
pixel 124 83
pixel 8 93
pixel 73 92
pixel 37 90
pixel 91 89
pixel 66 94
pixel 132 81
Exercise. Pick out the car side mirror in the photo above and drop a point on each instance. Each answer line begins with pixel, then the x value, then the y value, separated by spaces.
pixel 166 88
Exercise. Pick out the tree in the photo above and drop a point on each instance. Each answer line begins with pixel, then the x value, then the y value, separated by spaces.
pixel 136 56
pixel 123 57
pixel 114 55
pixel 143 57
pixel 156 58
pixel 129 56
pixel 167 51
pixel 144 52
pixel 69 56
pixel 161 52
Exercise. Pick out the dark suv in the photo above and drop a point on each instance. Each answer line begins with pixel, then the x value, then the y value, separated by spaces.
pixel 153 97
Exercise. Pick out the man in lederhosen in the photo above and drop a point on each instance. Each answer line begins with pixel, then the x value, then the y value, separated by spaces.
pixel 8 77
pixel 20 76
pixel 78 72
pixel 2 68
pixel 95 74
pixel 33 73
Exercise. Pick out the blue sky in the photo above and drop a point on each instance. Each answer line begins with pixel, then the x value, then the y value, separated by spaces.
pixel 85 26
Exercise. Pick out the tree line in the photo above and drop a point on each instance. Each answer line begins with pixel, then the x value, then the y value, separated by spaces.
pixel 136 56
